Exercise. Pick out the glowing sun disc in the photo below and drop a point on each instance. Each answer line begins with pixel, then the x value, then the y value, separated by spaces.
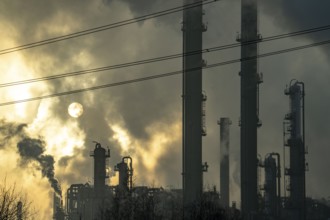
pixel 75 109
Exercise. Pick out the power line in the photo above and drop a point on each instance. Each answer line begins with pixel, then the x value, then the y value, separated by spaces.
pixel 106 27
pixel 168 57
pixel 165 74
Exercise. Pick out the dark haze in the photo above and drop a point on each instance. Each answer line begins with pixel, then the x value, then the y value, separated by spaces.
pixel 31 149
pixel 8 130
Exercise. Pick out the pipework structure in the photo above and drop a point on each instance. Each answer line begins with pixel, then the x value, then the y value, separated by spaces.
pixel 249 122
pixel 224 160
pixel 192 173
pixel 295 129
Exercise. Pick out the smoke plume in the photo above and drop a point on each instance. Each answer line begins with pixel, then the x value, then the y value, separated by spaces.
pixel 8 131
pixel 31 149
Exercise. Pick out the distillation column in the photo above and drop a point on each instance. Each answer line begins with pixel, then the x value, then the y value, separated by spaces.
pixel 296 144
pixel 100 155
pixel 192 28
pixel 224 160
pixel 272 196
pixel 125 169
pixel 250 79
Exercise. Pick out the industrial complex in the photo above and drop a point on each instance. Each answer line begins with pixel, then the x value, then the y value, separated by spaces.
pixel 273 186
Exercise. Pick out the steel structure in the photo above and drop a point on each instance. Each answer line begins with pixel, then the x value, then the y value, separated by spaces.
pixel 100 156
pixel 58 212
pixel 224 160
pixel 192 28
pixel 272 196
pixel 250 80
pixel 125 169
pixel 295 128
pixel 80 202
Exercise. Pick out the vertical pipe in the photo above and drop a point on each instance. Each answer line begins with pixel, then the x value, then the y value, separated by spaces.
pixel 224 160
pixel 304 147
pixel 249 109
pixel 279 206
pixel 284 164
pixel 192 112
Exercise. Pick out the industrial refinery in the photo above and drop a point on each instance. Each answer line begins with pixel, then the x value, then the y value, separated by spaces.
pixel 273 186
pixel 128 201
pixel 182 124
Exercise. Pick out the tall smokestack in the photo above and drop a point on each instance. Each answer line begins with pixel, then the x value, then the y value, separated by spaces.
pixel 249 123
pixel 192 28
pixel 296 144
pixel 224 160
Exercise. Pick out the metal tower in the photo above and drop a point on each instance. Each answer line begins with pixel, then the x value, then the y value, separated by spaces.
pixel 295 127
pixel 250 80
pixel 272 187
pixel 224 160
pixel 192 28
pixel 125 169
pixel 100 155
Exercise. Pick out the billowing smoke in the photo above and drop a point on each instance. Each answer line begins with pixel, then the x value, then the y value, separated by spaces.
pixel 31 149
pixel 8 131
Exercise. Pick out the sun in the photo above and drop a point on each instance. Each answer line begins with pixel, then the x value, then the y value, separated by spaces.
pixel 75 110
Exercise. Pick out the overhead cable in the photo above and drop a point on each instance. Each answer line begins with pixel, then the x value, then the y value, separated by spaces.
pixel 164 74
pixel 168 57
pixel 106 27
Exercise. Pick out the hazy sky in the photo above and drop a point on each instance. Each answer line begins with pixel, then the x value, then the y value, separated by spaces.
pixel 143 120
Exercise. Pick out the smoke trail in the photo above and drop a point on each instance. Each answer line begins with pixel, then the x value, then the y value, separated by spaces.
pixel 33 149
pixel 8 131
pixel 29 149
